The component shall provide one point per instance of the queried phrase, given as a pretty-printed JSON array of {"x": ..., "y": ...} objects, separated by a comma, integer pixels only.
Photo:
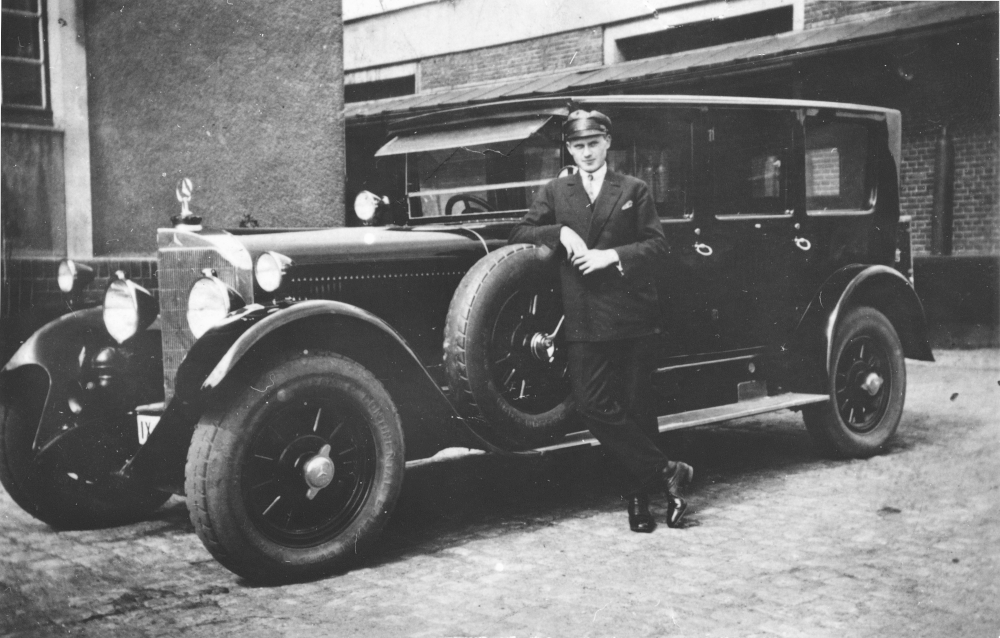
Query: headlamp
[
  {"x": 270, "y": 270},
  {"x": 209, "y": 303},
  {"x": 128, "y": 308},
  {"x": 72, "y": 277},
  {"x": 367, "y": 204}
]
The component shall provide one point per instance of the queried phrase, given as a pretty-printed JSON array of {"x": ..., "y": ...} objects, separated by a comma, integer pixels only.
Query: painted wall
[
  {"x": 244, "y": 97},
  {"x": 406, "y": 34}
]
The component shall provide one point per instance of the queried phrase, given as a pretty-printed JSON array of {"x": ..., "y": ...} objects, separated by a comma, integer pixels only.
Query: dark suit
[
  {"x": 610, "y": 313},
  {"x": 605, "y": 305}
]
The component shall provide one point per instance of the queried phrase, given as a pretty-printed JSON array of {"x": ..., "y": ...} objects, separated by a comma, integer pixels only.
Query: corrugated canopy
[
  {"x": 490, "y": 134},
  {"x": 752, "y": 54}
]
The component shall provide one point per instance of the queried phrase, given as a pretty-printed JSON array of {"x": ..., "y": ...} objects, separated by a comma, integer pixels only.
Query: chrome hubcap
[
  {"x": 543, "y": 347},
  {"x": 873, "y": 383},
  {"x": 318, "y": 472}
]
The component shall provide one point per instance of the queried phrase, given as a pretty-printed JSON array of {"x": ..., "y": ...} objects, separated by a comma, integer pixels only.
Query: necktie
[{"x": 590, "y": 187}]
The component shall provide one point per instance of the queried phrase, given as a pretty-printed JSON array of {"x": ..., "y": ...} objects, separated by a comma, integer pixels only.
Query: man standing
[{"x": 613, "y": 242}]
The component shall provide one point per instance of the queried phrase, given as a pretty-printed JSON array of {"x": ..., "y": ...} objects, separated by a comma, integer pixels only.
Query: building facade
[{"x": 106, "y": 106}]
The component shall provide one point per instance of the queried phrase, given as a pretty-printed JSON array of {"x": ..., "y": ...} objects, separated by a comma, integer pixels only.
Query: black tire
[
  {"x": 867, "y": 386},
  {"x": 499, "y": 375},
  {"x": 246, "y": 470},
  {"x": 72, "y": 485}
]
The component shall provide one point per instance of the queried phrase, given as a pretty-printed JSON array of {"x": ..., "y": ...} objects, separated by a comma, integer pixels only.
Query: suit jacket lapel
[{"x": 611, "y": 191}]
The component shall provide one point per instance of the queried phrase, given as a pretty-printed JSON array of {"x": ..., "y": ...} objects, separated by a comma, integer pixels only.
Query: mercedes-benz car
[{"x": 281, "y": 381}]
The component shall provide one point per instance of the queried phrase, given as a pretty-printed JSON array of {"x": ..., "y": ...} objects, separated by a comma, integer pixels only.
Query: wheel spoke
[{"x": 273, "y": 503}]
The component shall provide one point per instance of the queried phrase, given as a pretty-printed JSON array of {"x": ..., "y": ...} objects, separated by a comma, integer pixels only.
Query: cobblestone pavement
[{"x": 779, "y": 543}]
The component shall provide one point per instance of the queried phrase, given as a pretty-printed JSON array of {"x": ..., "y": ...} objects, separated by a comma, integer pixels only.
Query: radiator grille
[{"x": 179, "y": 268}]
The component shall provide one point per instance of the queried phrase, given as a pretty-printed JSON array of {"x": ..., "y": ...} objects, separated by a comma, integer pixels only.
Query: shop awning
[
  {"x": 490, "y": 134},
  {"x": 749, "y": 55}
]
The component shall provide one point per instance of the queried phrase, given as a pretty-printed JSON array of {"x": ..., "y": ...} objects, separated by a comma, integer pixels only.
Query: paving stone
[{"x": 779, "y": 543}]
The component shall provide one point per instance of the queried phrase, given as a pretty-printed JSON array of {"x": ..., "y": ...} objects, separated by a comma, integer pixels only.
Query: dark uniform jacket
[{"x": 607, "y": 304}]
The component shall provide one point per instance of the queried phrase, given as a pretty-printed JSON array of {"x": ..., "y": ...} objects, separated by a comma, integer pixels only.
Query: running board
[{"x": 705, "y": 416}]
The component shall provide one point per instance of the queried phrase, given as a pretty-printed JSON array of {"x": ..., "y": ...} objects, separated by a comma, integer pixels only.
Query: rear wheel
[
  {"x": 867, "y": 386},
  {"x": 301, "y": 471}
]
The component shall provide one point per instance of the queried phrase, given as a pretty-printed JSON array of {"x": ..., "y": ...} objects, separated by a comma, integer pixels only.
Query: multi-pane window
[
  {"x": 25, "y": 81},
  {"x": 837, "y": 165}
]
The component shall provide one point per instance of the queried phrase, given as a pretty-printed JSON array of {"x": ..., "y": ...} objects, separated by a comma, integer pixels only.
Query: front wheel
[
  {"x": 71, "y": 484},
  {"x": 299, "y": 473},
  {"x": 867, "y": 386}
]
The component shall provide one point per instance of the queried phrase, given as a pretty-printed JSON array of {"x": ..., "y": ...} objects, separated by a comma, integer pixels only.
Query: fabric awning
[{"x": 490, "y": 134}]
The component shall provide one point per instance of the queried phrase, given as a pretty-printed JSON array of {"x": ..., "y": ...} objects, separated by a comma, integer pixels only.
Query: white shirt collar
[{"x": 598, "y": 174}]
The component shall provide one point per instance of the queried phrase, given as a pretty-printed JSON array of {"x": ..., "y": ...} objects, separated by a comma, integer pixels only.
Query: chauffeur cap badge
[
  {"x": 186, "y": 219},
  {"x": 582, "y": 123}
]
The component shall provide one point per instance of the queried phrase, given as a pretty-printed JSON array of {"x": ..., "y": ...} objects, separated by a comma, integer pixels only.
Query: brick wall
[
  {"x": 976, "y": 216},
  {"x": 826, "y": 12},
  {"x": 551, "y": 53}
]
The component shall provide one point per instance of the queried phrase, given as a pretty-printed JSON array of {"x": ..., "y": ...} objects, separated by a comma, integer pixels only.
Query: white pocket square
[{"x": 627, "y": 205}]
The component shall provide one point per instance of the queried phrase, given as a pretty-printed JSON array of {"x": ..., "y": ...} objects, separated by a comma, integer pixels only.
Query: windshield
[{"x": 498, "y": 177}]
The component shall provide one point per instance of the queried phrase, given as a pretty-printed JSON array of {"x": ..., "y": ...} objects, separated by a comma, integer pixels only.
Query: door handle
[
  {"x": 703, "y": 249},
  {"x": 803, "y": 243}
]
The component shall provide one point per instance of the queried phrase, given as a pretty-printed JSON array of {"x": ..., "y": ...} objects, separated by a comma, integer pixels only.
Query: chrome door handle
[
  {"x": 703, "y": 249},
  {"x": 803, "y": 243}
]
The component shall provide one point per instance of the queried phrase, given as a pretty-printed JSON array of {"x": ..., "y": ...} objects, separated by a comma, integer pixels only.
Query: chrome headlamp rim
[
  {"x": 128, "y": 308},
  {"x": 270, "y": 270},
  {"x": 201, "y": 318}
]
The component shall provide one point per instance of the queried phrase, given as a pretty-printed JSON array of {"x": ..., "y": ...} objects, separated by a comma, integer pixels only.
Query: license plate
[{"x": 146, "y": 424}]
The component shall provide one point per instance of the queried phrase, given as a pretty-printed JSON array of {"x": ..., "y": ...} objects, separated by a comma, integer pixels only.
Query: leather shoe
[
  {"x": 639, "y": 518},
  {"x": 676, "y": 508},
  {"x": 675, "y": 476}
]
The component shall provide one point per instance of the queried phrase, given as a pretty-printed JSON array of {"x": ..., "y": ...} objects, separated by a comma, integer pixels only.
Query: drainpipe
[{"x": 944, "y": 194}]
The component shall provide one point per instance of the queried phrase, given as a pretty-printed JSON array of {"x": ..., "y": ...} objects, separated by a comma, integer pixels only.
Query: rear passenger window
[
  {"x": 837, "y": 166},
  {"x": 750, "y": 161},
  {"x": 655, "y": 145}
]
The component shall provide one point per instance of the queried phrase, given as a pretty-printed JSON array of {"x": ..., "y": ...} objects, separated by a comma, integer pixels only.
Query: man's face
[{"x": 589, "y": 153}]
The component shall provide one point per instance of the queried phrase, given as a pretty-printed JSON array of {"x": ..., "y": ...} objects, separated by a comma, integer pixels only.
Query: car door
[
  {"x": 747, "y": 237},
  {"x": 664, "y": 146}
]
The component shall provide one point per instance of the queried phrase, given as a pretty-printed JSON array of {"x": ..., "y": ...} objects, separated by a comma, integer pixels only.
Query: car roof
[{"x": 560, "y": 105}]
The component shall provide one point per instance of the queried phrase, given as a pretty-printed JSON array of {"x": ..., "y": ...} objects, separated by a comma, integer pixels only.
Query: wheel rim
[
  {"x": 863, "y": 384},
  {"x": 529, "y": 367},
  {"x": 309, "y": 470}
]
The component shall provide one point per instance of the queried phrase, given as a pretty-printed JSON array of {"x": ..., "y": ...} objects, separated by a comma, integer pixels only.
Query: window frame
[
  {"x": 790, "y": 161},
  {"x": 28, "y": 113},
  {"x": 697, "y": 151},
  {"x": 871, "y": 171}
]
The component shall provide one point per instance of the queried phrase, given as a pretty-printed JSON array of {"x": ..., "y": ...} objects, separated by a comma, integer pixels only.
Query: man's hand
[
  {"x": 573, "y": 243},
  {"x": 594, "y": 260}
]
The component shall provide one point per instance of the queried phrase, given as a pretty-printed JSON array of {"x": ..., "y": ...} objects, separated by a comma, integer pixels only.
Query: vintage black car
[{"x": 282, "y": 380}]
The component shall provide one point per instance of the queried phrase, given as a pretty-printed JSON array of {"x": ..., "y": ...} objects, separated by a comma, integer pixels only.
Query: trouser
[{"x": 613, "y": 393}]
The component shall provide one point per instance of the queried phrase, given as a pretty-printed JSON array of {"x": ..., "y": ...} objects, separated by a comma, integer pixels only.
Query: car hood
[{"x": 342, "y": 245}]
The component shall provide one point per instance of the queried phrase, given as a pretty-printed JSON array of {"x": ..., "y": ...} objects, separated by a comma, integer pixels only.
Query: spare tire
[{"x": 503, "y": 348}]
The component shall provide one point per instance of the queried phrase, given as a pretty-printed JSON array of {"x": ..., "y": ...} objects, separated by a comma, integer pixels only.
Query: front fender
[
  {"x": 93, "y": 381},
  {"x": 430, "y": 421},
  {"x": 228, "y": 355}
]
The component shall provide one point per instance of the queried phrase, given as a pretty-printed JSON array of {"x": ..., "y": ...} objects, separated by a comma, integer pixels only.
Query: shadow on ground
[{"x": 446, "y": 504}]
